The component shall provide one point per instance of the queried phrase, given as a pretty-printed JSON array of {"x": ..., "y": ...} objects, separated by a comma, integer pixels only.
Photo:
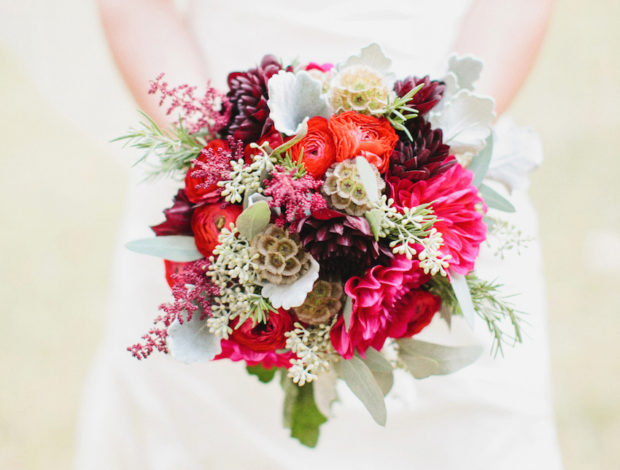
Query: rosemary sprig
[
  {"x": 173, "y": 148},
  {"x": 398, "y": 113}
]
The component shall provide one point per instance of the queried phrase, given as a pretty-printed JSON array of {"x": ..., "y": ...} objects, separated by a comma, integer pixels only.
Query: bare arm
[
  {"x": 148, "y": 37},
  {"x": 507, "y": 35}
]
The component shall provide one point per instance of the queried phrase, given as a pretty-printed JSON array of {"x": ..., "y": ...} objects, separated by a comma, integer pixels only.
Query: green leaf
[
  {"x": 179, "y": 248},
  {"x": 495, "y": 200},
  {"x": 480, "y": 163},
  {"x": 301, "y": 414},
  {"x": 368, "y": 177},
  {"x": 381, "y": 369},
  {"x": 425, "y": 359},
  {"x": 264, "y": 375},
  {"x": 363, "y": 384},
  {"x": 303, "y": 130},
  {"x": 374, "y": 218},
  {"x": 254, "y": 219},
  {"x": 461, "y": 291}
]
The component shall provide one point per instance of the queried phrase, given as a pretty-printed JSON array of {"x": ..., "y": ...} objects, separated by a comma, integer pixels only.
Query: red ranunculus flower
[
  {"x": 207, "y": 222},
  {"x": 361, "y": 135},
  {"x": 258, "y": 344},
  {"x": 211, "y": 193},
  {"x": 319, "y": 150},
  {"x": 173, "y": 268}
]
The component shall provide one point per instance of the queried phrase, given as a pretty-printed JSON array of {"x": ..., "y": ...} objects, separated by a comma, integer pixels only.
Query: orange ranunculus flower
[
  {"x": 362, "y": 135},
  {"x": 319, "y": 150}
]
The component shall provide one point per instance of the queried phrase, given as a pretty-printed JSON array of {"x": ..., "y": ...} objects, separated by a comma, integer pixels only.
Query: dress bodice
[{"x": 416, "y": 34}]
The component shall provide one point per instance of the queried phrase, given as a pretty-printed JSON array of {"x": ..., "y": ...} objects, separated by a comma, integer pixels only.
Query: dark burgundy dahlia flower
[
  {"x": 425, "y": 99},
  {"x": 249, "y": 118},
  {"x": 342, "y": 244},
  {"x": 421, "y": 158}
]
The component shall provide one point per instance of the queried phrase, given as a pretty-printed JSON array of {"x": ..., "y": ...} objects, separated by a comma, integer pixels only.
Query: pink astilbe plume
[
  {"x": 210, "y": 112},
  {"x": 192, "y": 292},
  {"x": 213, "y": 165},
  {"x": 297, "y": 197}
]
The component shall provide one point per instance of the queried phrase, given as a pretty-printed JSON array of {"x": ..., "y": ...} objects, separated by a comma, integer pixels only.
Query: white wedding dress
[{"x": 161, "y": 414}]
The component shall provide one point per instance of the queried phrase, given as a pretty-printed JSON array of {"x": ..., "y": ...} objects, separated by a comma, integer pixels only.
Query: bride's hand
[{"x": 507, "y": 36}]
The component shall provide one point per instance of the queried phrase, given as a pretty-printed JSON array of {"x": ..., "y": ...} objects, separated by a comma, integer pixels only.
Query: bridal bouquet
[{"x": 327, "y": 215}]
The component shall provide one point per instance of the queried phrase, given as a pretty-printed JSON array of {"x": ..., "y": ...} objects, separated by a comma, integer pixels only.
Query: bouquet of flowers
[{"x": 328, "y": 213}]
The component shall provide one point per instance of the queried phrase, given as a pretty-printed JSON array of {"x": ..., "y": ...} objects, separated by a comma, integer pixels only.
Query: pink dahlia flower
[
  {"x": 459, "y": 210},
  {"x": 387, "y": 302}
]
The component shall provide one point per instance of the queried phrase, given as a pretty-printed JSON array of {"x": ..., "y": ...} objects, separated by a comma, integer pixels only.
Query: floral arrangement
[{"x": 328, "y": 214}]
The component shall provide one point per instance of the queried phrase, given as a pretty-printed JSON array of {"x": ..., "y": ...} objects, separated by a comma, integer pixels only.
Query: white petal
[
  {"x": 292, "y": 295},
  {"x": 293, "y": 98},
  {"x": 191, "y": 341}
]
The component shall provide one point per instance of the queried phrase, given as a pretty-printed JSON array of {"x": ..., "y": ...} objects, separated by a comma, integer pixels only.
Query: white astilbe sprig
[
  {"x": 232, "y": 271},
  {"x": 246, "y": 178},
  {"x": 408, "y": 227},
  {"x": 313, "y": 348}
]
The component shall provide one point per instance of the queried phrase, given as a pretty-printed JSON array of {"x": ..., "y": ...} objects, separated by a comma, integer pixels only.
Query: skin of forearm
[
  {"x": 146, "y": 38},
  {"x": 506, "y": 35}
]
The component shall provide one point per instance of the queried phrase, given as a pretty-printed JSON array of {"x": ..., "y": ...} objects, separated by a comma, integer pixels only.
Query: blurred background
[{"x": 62, "y": 190}]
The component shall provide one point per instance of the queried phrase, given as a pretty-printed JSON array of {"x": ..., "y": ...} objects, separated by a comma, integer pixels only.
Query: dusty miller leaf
[
  {"x": 425, "y": 359},
  {"x": 179, "y": 248},
  {"x": 191, "y": 341},
  {"x": 254, "y": 219},
  {"x": 325, "y": 392},
  {"x": 362, "y": 383}
]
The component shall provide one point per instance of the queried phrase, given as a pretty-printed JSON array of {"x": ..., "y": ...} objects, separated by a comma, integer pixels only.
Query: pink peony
[
  {"x": 387, "y": 302},
  {"x": 458, "y": 207}
]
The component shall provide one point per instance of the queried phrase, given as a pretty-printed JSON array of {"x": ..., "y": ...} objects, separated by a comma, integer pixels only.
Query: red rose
[
  {"x": 361, "y": 135},
  {"x": 207, "y": 222},
  {"x": 319, "y": 150},
  {"x": 210, "y": 194}
]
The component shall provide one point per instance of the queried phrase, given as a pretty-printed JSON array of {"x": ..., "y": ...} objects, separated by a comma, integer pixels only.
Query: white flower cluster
[
  {"x": 313, "y": 347},
  {"x": 231, "y": 270},
  {"x": 246, "y": 179},
  {"x": 411, "y": 226},
  {"x": 505, "y": 236}
]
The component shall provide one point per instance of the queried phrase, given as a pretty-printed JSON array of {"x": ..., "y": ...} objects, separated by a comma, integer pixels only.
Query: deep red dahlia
[
  {"x": 425, "y": 99},
  {"x": 178, "y": 217},
  {"x": 342, "y": 244},
  {"x": 458, "y": 207},
  {"x": 249, "y": 118},
  {"x": 422, "y": 158}
]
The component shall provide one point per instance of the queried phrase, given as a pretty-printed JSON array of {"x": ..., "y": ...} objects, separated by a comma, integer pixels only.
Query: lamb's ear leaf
[
  {"x": 362, "y": 383},
  {"x": 254, "y": 219},
  {"x": 494, "y": 200},
  {"x": 381, "y": 369},
  {"x": 425, "y": 359},
  {"x": 178, "y": 248}
]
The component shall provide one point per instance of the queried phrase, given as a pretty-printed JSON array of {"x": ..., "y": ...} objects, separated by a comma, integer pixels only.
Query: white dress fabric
[{"x": 160, "y": 414}]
